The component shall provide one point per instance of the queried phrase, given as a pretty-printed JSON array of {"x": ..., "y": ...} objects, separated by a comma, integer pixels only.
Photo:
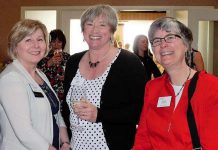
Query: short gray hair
[
  {"x": 170, "y": 24},
  {"x": 22, "y": 29},
  {"x": 108, "y": 12}
]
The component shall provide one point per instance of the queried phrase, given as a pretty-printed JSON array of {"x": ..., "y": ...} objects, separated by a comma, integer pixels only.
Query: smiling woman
[
  {"x": 26, "y": 94},
  {"x": 167, "y": 98},
  {"x": 109, "y": 111}
]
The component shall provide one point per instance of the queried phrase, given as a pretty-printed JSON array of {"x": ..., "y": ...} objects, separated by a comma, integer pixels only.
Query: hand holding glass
[
  {"x": 58, "y": 56},
  {"x": 75, "y": 105}
]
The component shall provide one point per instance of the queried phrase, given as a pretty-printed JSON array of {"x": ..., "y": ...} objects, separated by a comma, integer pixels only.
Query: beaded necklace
[{"x": 94, "y": 64}]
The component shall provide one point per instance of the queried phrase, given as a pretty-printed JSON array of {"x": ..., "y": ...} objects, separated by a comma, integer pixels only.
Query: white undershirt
[{"x": 176, "y": 90}]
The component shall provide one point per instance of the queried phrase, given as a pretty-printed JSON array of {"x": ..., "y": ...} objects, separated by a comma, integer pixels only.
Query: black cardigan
[{"x": 121, "y": 98}]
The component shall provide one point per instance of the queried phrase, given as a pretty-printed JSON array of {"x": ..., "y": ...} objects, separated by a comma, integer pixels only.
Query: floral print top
[{"x": 55, "y": 73}]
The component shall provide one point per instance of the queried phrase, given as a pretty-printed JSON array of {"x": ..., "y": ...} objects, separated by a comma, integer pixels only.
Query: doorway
[{"x": 192, "y": 18}]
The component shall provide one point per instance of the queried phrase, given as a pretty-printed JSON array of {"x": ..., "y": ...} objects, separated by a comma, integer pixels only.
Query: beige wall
[{"x": 10, "y": 10}]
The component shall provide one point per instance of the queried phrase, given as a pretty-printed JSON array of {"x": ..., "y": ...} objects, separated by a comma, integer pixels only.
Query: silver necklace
[{"x": 180, "y": 90}]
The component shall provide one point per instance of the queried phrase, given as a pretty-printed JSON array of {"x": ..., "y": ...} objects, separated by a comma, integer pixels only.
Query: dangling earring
[{"x": 111, "y": 39}]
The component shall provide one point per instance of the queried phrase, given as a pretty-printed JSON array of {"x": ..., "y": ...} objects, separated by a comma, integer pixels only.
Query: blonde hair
[{"x": 22, "y": 29}]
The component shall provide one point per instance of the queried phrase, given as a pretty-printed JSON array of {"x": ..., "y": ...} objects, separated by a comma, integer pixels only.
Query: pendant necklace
[
  {"x": 94, "y": 64},
  {"x": 180, "y": 90}
]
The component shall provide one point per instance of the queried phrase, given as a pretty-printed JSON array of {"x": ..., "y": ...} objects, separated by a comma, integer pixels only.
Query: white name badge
[
  {"x": 78, "y": 81},
  {"x": 164, "y": 101}
]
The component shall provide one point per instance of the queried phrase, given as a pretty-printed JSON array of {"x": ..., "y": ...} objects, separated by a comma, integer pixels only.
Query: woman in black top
[
  {"x": 104, "y": 87},
  {"x": 140, "y": 48}
]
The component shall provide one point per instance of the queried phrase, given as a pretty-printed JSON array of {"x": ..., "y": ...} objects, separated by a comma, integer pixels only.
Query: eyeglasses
[{"x": 168, "y": 39}]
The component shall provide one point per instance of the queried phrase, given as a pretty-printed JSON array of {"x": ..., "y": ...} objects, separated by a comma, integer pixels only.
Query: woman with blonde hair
[{"x": 30, "y": 117}]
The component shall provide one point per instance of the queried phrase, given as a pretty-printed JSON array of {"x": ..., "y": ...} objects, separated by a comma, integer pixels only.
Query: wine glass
[
  {"x": 83, "y": 96},
  {"x": 58, "y": 55}
]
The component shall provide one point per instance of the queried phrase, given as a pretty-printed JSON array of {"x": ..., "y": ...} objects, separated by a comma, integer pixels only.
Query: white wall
[{"x": 48, "y": 17}]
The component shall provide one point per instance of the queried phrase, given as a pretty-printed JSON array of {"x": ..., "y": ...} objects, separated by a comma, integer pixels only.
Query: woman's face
[
  {"x": 170, "y": 53},
  {"x": 56, "y": 44},
  {"x": 143, "y": 44},
  {"x": 31, "y": 49},
  {"x": 97, "y": 33}
]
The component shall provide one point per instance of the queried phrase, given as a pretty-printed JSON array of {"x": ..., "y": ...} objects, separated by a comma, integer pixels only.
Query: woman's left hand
[{"x": 86, "y": 111}]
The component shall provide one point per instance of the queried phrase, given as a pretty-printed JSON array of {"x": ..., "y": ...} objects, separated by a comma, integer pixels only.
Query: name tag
[
  {"x": 164, "y": 101},
  {"x": 38, "y": 94},
  {"x": 34, "y": 90}
]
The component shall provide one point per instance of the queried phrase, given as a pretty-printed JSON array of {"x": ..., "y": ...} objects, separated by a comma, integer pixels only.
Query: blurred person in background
[
  {"x": 193, "y": 57},
  {"x": 120, "y": 44},
  {"x": 53, "y": 65},
  {"x": 140, "y": 48}
]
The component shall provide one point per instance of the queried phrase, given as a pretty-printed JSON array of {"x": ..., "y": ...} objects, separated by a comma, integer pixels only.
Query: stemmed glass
[
  {"x": 58, "y": 55},
  {"x": 78, "y": 126}
]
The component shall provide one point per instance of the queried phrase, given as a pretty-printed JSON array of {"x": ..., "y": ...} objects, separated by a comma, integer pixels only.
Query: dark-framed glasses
[{"x": 169, "y": 38}]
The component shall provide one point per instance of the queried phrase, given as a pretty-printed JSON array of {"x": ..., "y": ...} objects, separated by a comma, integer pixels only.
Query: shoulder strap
[
  {"x": 192, "y": 86},
  {"x": 190, "y": 115}
]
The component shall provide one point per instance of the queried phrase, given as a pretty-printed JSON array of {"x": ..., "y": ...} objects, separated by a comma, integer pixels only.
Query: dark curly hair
[{"x": 57, "y": 34}]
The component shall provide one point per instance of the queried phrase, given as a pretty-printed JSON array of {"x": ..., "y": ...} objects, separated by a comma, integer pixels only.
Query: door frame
[{"x": 194, "y": 15}]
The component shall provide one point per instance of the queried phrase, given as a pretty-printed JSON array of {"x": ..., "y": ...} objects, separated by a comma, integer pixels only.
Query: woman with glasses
[{"x": 164, "y": 122}]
